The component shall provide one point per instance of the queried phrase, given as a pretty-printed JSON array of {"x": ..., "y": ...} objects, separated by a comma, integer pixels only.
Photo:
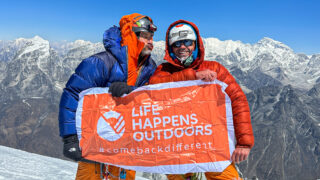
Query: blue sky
[{"x": 296, "y": 23}]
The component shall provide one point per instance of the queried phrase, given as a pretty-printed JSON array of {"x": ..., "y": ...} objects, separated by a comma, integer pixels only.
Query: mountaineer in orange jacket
[
  {"x": 124, "y": 65},
  {"x": 185, "y": 61}
]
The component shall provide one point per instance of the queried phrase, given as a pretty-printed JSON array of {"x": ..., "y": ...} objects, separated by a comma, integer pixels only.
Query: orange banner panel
[{"x": 171, "y": 127}]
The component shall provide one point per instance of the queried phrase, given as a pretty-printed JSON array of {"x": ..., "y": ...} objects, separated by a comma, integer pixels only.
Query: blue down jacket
[{"x": 99, "y": 70}]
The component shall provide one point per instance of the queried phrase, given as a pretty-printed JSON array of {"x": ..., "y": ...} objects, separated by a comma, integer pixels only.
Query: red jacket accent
[{"x": 173, "y": 70}]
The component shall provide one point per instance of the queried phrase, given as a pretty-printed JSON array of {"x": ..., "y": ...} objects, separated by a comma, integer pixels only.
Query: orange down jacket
[{"x": 173, "y": 70}]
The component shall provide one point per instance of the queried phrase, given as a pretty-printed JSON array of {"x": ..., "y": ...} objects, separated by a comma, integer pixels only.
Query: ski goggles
[
  {"x": 186, "y": 42},
  {"x": 144, "y": 23},
  {"x": 151, "y": 27}
]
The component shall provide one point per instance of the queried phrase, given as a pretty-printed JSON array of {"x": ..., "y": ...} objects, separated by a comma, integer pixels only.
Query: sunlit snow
[{"x": 20, "y": 165}]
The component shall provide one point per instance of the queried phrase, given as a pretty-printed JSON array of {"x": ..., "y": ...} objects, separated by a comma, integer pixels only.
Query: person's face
[
  {"x": 147, "y": 39},
  {"x": 183, "y": 51}
]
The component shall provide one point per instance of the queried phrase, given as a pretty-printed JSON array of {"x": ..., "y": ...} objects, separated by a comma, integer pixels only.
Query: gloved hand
[
  {"x": 117, "y": 89},
  {"x": 71, "y": 148}
]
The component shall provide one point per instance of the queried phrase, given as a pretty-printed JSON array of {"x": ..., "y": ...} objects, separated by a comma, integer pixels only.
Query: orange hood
[
  {"x": 176, "y": 62},
  {"x": 134, "y": 46}
]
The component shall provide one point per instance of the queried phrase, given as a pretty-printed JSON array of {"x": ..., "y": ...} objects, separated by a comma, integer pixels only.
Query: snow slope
[
  {"x": 20, "y": 165},
  {"x": 17, "y": 164}
]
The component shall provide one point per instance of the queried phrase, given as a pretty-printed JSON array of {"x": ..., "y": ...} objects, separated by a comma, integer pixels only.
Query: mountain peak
[
  {"x": 214, "y": 45},
  {"x": 38, "y": 38},
  {"x": 267, "y": 39},
  {"x": 268, "y": 42},
  {"x": 80, "y": 41},
  {"x": 32, "y": 44}
]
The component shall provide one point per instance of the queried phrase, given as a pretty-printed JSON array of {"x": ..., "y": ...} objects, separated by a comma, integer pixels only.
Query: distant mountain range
[{"x": 282, "y": 87}]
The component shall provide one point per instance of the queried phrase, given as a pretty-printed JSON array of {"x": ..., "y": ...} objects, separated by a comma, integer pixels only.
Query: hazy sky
[{"x": 296, "y": 23}]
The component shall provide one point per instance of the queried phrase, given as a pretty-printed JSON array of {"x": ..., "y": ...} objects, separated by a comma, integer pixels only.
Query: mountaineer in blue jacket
[{"x": 125, "y": 65}]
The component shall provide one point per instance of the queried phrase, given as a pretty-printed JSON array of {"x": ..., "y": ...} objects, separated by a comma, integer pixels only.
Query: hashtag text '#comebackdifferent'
[{"x": 159, "y": 149}]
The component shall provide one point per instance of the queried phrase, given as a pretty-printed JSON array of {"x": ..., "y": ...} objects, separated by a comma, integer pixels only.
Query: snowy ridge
[
  {"x": 31, "y": 67},
  {"x": 36, "y": 43},
  {"x": 64, "y": 47},
  {"x": 8, "y": 49},
  {"x": 20, "y": 165},
  {"x": 270, "y": 56},
  {"x": 17, "y": 164},
  {"x": 46, "y": 66},
  {"x": 215, "y": 46}
]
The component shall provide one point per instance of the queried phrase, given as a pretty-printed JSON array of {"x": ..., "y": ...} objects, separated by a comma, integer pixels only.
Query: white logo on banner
[{"x": 106, "y": 131}]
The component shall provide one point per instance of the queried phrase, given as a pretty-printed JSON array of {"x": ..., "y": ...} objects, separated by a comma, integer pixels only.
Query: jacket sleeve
[
  {"x": 91, "y": 72},
  {"x": 162, "y": 76},
  {"x": 240, "y": 108}
]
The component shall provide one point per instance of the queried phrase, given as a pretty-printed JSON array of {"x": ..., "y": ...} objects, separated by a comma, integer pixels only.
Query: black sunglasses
[{"x": 186, "y": 42}]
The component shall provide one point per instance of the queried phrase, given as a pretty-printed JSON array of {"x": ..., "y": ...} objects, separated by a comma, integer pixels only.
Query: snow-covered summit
[
  {"x": 63, "y": 47},
  {"x": 271, "y": 43},
  {"x": 272, "y": 57},
  {"x": 36, "y": 43},
  {"x": 216, "y": 46}
]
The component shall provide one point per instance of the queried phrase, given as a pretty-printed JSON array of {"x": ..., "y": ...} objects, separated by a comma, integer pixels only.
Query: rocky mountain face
[
  {"x": 282, "y": 87},
  {"x": 287, "y": 133},
  {"x": 31, "y": 82}
]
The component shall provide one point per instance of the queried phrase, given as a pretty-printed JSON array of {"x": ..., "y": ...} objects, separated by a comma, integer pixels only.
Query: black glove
[
  {"x": 71, "y": 148},
  {"x": 117, "y": 89}
]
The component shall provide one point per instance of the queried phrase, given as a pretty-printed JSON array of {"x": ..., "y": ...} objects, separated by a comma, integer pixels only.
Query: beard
[
  {"x": 182, "y": 59},
  {"x": 146, "y": 51},
  {"x": 183, "y": 55}
]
